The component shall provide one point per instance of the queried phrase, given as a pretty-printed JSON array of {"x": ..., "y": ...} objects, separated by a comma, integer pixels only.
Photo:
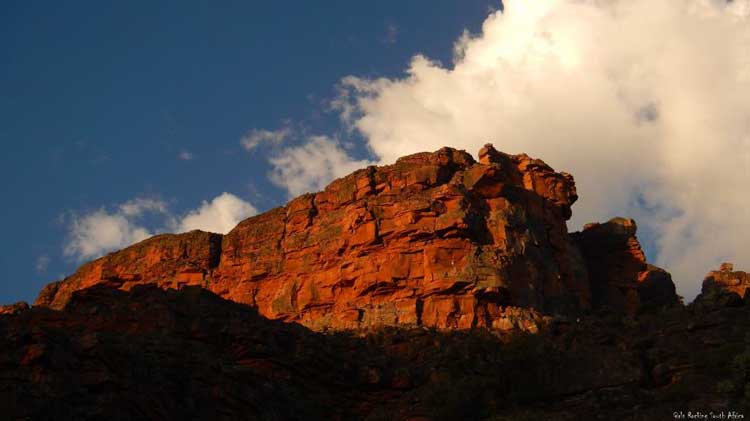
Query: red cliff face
[
  {"x": 435, "y": 239},
  {"x": 15, "y": 308},
  {"x": 169, "y": 261},
  {"x": 619, "y": 275},
  {"x": 725, "y": 286}
]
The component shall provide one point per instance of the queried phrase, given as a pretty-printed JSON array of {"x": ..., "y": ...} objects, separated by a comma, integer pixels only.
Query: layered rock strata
[
  {"x": 436, "y": 239},
  {"x": 725, "y": 286}
]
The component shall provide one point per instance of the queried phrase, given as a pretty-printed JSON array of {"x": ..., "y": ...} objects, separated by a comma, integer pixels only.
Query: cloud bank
[
  {"x": 646, "y": 103},
  {"x": 103, "y": 230}
]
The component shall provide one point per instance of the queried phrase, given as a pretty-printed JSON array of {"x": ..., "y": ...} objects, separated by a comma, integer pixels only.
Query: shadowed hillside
[{"x": 188, "y": 354}]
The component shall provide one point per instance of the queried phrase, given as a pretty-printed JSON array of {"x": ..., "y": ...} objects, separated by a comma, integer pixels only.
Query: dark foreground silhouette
[{"x": 189, "y": 354}]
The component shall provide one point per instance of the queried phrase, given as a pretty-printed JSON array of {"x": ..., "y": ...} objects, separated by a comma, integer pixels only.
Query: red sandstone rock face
[
  {"x": 169, "y": 261},
  {"x": 435, "y": 239},
  {"x": 16, "y": 308},
  {"x": 728, "y": 280},
  {"x": 620, "y": 277}
]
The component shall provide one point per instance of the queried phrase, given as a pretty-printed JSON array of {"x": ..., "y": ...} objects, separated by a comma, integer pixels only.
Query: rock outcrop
[
  {"x": 168, "y": 261},
  {"x": 725, "y": 286},
  {"x": 436, "y": 239},
  {"x": 15, "y": 308},
  {"x": 619, "y": 275}
]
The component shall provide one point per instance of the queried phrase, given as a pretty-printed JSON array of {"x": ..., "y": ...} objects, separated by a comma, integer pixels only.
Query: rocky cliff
[
  {"x": 725, "y": 287},
  {"x": 436, "y": 239},
  {"x": 477, "y": 304},
  {"x": 727, "y": 279}
]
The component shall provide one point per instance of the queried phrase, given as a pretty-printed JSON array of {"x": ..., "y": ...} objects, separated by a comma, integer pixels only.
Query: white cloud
[
  {"x": 139, "y": 206},
  {"x": 255, "y": 137},
  {"x": 42, "y": 263},
  {"x": 95, "y": 233},
  {"x": 185, "y": 156},
  {"x": 645, "y": 102},
  {"x": 98, "y": 232},
  {"x": 220, "y": 215},
  {"x": 310, "y": 167}
]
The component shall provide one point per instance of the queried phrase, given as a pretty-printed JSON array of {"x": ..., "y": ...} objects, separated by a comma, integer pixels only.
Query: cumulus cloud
[
  {"x": 219, "y": 215},
  {"x": 307, "y": 167},
  {"x": 95, "y": 233},
  {"x": 255, "y": 137},
  {"x": 103, "y": 230},
  {"x": 310, "y": 167},
  {"x": 644, "y": 102}
]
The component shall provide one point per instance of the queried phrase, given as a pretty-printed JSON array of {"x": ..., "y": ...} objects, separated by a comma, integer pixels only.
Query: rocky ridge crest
[{"x": 436, "y": 239}]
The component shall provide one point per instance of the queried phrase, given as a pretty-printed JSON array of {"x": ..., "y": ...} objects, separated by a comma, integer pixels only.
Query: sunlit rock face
[
  {"x": 169, "y": 261},
  {"x": 725, "y": 287},
  {"x": 728, "y": 279},
  {"x": 436, "y": 239},
  {"x": 15, "y": 308}
]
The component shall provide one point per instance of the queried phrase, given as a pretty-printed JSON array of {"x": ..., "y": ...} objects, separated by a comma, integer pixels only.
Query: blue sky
[
  {"x": 127, "y": 119},
  {"x": 99, "y": 99}
]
